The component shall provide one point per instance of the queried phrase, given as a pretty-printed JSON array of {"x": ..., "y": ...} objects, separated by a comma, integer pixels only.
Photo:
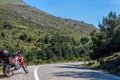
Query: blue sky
[{"x": 89, "y": 11}]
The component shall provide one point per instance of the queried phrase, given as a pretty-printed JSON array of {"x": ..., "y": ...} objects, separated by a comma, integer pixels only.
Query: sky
[{"x": 89, "y": 11}]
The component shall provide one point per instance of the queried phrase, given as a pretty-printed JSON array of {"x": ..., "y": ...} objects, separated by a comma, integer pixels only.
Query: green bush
[{"x": 38, "y": 61}]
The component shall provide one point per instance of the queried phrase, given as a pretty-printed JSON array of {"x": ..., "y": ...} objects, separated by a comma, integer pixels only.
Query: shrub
[{"x": 23, "y": 37}]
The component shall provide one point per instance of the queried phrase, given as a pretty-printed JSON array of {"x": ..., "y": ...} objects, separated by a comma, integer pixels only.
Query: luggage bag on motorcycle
[{"x": 3, "y": 54}]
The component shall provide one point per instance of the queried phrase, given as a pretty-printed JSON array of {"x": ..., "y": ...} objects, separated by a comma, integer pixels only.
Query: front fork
[{"x": 23, "y": 62}]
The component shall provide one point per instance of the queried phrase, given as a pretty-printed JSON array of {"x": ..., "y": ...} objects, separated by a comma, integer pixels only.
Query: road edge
[{"x": 109, "y": 75}]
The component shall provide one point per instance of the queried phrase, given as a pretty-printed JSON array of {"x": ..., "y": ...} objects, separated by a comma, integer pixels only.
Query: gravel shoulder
[{"x": 20, "y": 75}]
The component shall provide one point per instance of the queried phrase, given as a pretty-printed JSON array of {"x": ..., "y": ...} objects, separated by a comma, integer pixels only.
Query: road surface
[{"x": 63, "y": 71}]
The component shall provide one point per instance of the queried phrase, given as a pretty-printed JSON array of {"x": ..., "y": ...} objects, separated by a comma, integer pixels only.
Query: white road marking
[{"x": 35, "y": 73}]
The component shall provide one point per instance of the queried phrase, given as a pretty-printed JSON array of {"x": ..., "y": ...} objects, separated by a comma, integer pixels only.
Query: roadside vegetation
[
  {"x": 106, "y": 44},
  {"x": 42, "y": 45}
]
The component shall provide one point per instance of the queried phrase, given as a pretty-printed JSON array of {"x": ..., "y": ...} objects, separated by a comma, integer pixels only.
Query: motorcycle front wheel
[{"x": 7, "y": 70}]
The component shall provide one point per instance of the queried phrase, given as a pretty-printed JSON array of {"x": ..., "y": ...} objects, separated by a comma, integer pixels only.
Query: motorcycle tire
[
  {"x": 7, "y": 70},
  {"x": 24, "y": 66}
]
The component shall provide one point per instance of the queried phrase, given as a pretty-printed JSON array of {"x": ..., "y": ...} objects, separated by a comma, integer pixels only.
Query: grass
[
  {"x": 1, "y": 68},
  {"x": 108, "y": 64},
  {"x": 91, "y": 64}
]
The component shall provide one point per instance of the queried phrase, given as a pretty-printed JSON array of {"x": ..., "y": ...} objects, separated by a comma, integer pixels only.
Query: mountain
[{"x": 40, "y": 35}]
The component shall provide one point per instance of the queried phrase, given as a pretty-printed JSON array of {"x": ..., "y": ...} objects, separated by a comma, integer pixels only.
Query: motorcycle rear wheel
[{"x": 7, "y": 70}]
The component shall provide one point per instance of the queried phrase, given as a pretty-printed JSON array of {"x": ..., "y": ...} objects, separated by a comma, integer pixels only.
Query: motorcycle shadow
[
  {"x": 2, "y": 76},
  {"x": 17, "y": 73}
]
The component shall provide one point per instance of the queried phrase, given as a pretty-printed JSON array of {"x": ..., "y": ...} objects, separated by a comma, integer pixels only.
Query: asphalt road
[{"x": 61, "y": 71}]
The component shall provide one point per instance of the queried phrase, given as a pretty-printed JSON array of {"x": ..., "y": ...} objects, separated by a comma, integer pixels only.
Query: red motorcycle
[{"x": 17, "y": 62}]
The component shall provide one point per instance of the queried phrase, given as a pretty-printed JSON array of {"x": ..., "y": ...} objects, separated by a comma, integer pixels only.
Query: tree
[
  {"x": 106, "y": 41},
  {"x": 84, "y": 40},
  {"x": 99, "y": 45},
  {"x": 109, "y": 23},
  {"x": 115, "y": 42}
]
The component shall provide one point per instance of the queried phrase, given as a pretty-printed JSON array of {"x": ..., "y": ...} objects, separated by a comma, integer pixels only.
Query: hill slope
[
  {"x": 42, "y": 37},
  {"x": 12, "y": 12},
  {"x": 19, "y": 2}
]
